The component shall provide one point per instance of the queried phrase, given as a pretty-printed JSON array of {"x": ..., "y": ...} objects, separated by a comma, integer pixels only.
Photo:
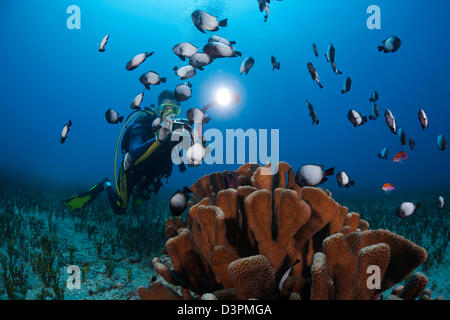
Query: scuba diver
[{"x": 147, "y": 146}]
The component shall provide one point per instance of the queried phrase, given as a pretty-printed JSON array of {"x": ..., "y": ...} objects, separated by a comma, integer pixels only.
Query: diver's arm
[{"x": 145, "y": 150}]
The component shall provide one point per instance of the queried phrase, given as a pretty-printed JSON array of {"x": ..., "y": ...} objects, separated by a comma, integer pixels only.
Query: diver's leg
[
  {"x": 118, "y": 206},
  {"x": 119, "y": 200}
]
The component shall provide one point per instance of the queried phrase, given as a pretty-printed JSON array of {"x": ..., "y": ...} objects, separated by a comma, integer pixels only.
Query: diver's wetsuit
[
  {"x": 147, "y": 171},
  {"x": 151, "y": 162}
]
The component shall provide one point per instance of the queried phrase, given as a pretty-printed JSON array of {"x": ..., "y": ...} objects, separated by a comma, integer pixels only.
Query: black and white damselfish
[
  {"x": 179, "y": 201},
  {"x": 65, "y": 132}
]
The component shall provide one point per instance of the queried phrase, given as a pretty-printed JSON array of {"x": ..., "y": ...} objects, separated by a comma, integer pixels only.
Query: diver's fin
[
  {"x": 80, "y": 200},
  {"x": 77, "y": 202}
]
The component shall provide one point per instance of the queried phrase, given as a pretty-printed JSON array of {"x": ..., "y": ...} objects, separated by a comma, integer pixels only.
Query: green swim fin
[
  {"x": 82, "y": 199},
  {"x": 77, "y": 202}
]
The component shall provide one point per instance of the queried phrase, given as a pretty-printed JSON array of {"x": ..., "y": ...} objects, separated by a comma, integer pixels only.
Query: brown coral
[
  {"x": 246, "y": 228},
  {"x": 413, "y": 289}
]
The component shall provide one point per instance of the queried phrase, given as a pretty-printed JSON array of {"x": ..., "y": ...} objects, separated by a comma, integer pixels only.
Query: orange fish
[
  {"x": 387, "y": 187},
  {"x": 400, "y": 157}
]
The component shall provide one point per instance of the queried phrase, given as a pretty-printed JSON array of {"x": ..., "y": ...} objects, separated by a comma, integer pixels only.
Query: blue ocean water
[{"x": 51, "y": 74}]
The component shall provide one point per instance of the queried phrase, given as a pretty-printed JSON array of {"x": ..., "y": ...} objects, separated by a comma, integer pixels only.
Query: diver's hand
[{"x": 165, "y": 130}]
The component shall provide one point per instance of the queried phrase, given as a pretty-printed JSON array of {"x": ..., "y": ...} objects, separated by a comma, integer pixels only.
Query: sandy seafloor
[{"x": 135, "y": 271}]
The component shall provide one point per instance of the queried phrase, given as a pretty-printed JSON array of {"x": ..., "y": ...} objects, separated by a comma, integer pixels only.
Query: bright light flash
[{"x": 223, "y": 97}]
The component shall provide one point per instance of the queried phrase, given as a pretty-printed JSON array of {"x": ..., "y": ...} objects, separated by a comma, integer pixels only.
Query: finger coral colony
[{"x": 245, "y": 230}]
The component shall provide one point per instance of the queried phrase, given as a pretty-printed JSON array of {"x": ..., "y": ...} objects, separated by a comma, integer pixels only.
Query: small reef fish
[
  {"x": 347, "y": 85},
  {"x": 344, "y": 180},
  {"x": 185, "y": 72},
  {"x": 412, "y": 144},
  {"x": 384, "y": 153},
  {"x": 197, "y": 115},
  {"x": 101, "y": 47},
  {"x": 402, "y": 135},
  {"x": 204, "y": 21},
  {"x": 316, "y": 51},
  {"x": 184, "y": 50},
  {"x": 330, "y": 56},
  {"x": 178, "y": 202},
  {"x": 391, "y": 44},
  {"x": 195, "y": 154},
  {"x": 375, "y": 112},
  {"x": 275, "y": 64},
  {"x": 400, "y": 157},
  {"x": 246, "y": 65},
  {"x": 113, "y": 117},
  {"x": 65, "y": 132},
  {"x": 423, "y": 119},
  {"x": 387, "y": 187},
  {"x": 263, "y": 6},
  {"x": 183, "y": 91},
  {"x": 151, "y": 78},
  {"x": 407, "y": 209},
  {"x": 221, "y": 50},
  {"x": 127, "y": 162},
  {"x": 137, "y": 60},
  {"x": 312, "y": 113},
  {"x": 356, "y": 119},
  {"x": 390, "y": 121},
  {"x": 221, "y": 40},
  {"x": 374, "y": 97},
  {"x": 136, "y": 103},
  {"x": 440, "y": 202},
  {"x": 286, "y": 275},
  {"x": 314, "y": 75},
  {"x": 312, "y": 175},
  {"x": 441, "y": 142},
  {"x": 331, "y": 53},
  {"x": 200, "y": 59}
]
